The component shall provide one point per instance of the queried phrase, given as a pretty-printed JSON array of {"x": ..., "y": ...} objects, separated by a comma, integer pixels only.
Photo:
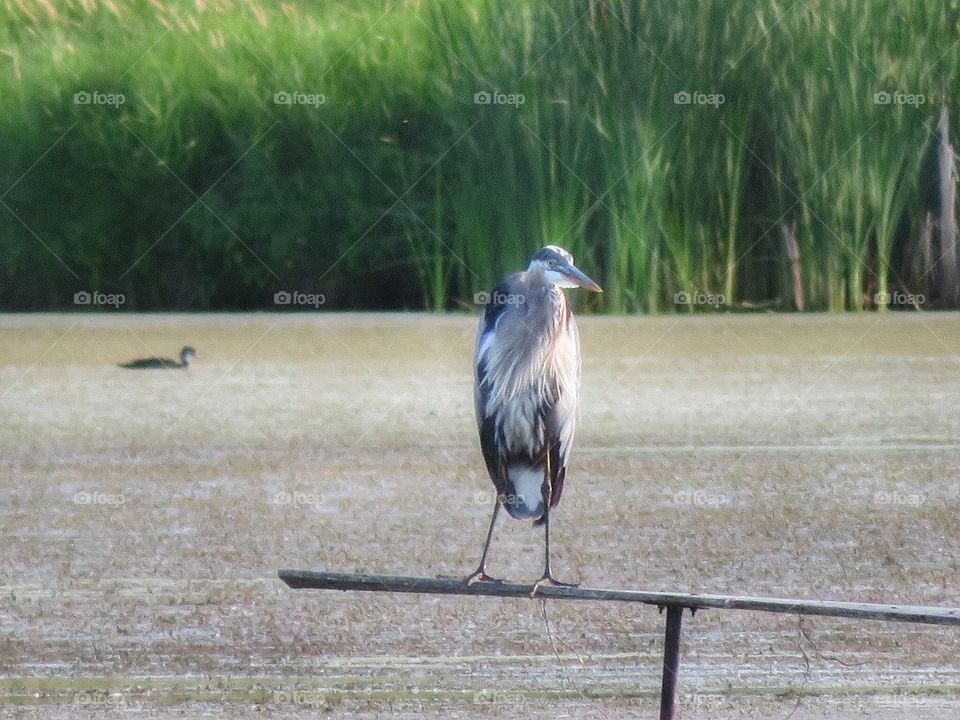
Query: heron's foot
[
  {"x": 550, "y": 581},
  {"x": 480, "y": 576}
]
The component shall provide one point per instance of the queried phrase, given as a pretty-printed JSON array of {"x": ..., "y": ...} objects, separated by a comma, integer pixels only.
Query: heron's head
[
  {"x": 557, "y": 266},
  {"x": 187, "y": 354}
]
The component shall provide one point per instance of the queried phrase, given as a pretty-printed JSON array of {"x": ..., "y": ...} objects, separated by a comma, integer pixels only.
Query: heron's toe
[
  {"x": 480, "y": 576},
  {"x": 550, "y": 581}
]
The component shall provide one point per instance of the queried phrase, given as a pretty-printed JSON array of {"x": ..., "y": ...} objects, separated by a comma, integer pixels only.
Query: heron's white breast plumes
[
  {"x": 532, "y": 362},
  {"x": 520, "y": 425}
]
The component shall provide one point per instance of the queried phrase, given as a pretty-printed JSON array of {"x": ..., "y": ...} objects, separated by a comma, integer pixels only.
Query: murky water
[{"x": 144, "y": 516}]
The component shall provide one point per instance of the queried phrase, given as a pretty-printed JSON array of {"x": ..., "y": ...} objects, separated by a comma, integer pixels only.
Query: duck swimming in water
[{"x": 149, "y": 363}]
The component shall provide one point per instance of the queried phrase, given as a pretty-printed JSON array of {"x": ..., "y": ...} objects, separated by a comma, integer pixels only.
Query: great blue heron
[
  {"x": 156, "y": 362},
  {"x": 526, "y": 387}
]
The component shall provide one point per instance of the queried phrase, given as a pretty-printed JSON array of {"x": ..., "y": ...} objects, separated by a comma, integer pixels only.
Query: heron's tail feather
[{"x": 526, "y": 500}]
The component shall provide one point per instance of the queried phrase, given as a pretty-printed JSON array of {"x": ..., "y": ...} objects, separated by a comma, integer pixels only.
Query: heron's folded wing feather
[{"x": 487, "y": 421}]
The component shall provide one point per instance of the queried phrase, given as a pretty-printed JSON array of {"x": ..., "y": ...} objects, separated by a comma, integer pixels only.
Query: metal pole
[
  {"x": 671, "y": 662},
  {"x": 456, "y": 586}
]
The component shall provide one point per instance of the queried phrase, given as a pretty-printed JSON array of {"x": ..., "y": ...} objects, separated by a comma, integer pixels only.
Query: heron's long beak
[{"x": 575, "y": 276}]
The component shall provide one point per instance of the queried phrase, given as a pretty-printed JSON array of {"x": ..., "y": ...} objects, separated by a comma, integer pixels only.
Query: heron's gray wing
[
  {"x": 490, "y": 319},
  {"x": 486, "y": 337}
]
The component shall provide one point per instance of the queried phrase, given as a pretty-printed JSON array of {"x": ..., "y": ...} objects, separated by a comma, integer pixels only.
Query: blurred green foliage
[{"x": 664, "y": 143}]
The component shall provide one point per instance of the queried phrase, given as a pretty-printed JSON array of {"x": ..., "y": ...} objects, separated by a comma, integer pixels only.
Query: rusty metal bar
[{"x": 454, "y": 586}]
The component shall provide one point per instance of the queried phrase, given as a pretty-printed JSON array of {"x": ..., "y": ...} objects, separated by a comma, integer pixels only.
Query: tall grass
[
  {"x": 859, "y": 146},
  {"x": 400, "y": 191}
]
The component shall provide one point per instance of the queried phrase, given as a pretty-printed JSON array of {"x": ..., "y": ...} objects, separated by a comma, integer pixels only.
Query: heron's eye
[{"x": 551, "y": 264}]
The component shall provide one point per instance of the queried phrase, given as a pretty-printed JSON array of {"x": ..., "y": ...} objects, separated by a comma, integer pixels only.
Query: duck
[{"x": 186, "y": 354}]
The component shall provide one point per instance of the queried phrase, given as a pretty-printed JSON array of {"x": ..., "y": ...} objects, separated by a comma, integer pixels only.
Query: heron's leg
[
  {"x": 480, "y": 575},
  {"x": 547, "y": 578},
  {"x": 546, "y": 541}
]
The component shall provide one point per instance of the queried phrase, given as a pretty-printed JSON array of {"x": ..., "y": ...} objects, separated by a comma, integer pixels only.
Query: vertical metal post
[{"x": 671, "y": 662}]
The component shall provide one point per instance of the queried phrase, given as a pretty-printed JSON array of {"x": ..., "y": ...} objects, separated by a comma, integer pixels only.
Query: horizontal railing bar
[{"x": 306, "y": 579}]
